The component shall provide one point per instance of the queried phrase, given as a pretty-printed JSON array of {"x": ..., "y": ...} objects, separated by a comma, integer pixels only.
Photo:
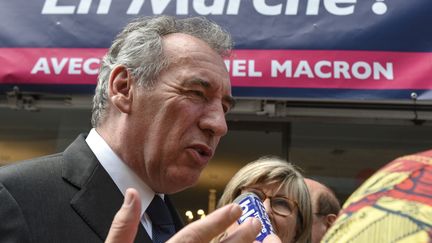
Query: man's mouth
[{"x": 204, "y": 151}]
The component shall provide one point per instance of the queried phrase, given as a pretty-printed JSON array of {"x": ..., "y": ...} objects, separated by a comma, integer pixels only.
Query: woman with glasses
[{"x": 284, "y": 193}]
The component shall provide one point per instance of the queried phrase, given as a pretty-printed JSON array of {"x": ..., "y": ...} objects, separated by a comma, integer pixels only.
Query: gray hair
[{"x": 139, "y": 48}]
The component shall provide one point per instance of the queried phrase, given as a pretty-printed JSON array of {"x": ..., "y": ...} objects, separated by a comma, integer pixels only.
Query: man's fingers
[
  {"x": 125, "y": 224},
  {"x": 272, "y": 239},
  {"x": 246, "y": 232},
  {"x": 209, "y": 227}
]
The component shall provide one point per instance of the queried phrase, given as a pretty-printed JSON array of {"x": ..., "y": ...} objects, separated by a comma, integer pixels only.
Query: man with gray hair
[{"x": 158, "y": 114}]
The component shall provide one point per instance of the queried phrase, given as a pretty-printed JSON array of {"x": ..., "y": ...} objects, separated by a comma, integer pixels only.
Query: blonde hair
[{"x": 269, "y": 170}]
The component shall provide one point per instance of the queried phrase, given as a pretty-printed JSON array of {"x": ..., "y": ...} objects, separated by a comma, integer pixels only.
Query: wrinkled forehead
[
  {"x": 183, "y": 49},
  {"x": 179, "y": 45}
]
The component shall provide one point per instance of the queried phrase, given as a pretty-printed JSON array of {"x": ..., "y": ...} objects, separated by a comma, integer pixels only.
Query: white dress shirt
[{"x": 123, "y": 176}]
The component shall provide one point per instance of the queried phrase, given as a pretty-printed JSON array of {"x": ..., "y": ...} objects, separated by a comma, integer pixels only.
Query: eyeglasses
[{"x": 280, "y": 205}]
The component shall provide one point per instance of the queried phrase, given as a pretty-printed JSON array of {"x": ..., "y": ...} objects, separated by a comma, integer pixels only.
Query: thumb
[
  {"x": 272, "y": 239},
  {"x": 204, "y": 230},
  {"x": 125, "y": 224}
]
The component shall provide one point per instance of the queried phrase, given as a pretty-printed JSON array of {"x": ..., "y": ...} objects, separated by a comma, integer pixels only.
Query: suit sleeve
[{"x": 13, "y": 227}]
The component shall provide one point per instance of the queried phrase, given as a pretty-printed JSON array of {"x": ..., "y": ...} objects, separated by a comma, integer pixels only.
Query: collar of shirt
[{"x": 123, "y": 176}]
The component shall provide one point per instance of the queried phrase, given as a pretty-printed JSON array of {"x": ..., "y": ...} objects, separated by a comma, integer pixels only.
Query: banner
[{"x": 314, "y": 49}]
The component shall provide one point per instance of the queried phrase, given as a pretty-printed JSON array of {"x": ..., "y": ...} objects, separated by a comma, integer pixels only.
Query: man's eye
[
  {"x": 198, "y": 93},
  {"x": 225, "y": 109}
]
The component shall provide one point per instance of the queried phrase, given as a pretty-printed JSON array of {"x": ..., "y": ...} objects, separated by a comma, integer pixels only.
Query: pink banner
[
  {"x": 50, "y": 65},
  {"x": 331, "y": 69},
  {"x": 248, "y": 68}
]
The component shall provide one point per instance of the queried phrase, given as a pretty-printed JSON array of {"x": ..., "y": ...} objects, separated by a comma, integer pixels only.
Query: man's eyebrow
[{"x": 197, "y": 81}]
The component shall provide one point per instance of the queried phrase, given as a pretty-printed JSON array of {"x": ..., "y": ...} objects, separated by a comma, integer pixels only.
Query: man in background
[{"x": 325, "y": 208}]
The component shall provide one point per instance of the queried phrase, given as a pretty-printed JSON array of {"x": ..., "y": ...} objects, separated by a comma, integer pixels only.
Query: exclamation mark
[{"x": 379, "y": 7}]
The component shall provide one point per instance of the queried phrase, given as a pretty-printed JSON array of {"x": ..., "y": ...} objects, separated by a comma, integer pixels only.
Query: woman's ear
[{"x": 120, "y": 88}]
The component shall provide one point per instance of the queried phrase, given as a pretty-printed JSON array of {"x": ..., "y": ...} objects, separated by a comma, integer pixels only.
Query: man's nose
[{"x": 214, "y": 120}]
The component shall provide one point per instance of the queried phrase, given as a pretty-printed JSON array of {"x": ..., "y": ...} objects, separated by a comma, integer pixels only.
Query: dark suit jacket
[{"x": 65, "y": 197}]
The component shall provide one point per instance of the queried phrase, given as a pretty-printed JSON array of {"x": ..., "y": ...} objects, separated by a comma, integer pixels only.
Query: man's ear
[
  {"x": 329, "y": 219},
  {"x": 120, "y": 91}
]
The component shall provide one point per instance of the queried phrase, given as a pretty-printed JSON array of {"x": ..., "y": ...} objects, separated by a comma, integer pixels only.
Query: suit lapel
[{"x": 98, "y": 198}]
